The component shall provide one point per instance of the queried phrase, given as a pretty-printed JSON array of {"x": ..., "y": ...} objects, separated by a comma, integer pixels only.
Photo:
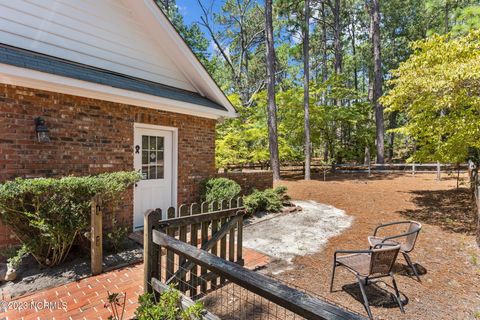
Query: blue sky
[{"x": 191, "y": 10}]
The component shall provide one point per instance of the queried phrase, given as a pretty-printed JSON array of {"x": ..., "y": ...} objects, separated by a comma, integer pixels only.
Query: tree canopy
[
  {"x": 351, "y": 52},
  {"x": 438, "y": 90}
]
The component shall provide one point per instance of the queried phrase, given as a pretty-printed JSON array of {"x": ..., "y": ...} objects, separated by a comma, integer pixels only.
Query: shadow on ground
[
  {"x": 379, "y": 294},
  {"x": 404, "y": 270},
  {"x": 452, "y": 209}
]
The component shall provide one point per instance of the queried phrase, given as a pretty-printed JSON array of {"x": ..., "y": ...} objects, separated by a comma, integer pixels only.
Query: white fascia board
[
  {"x": 161, "y": 28},
  {"x": 45, "y": 81}
]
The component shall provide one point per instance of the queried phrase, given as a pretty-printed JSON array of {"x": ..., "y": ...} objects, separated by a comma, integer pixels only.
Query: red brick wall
[
  {"x": 250, "y": 180},
  {"x": 90, "y": 136}
]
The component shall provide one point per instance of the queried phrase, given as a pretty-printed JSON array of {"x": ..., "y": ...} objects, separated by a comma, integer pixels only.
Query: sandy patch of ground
[{"x": 302, "y": 233}]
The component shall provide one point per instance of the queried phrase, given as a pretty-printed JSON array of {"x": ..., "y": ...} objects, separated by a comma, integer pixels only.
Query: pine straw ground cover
[{"x": 446, "y": 250}]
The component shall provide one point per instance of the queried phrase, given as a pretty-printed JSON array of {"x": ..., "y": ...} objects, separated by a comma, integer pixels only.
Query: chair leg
[
  {"x": 333, "y": 275},
  {"x": 397, "y": 293},
  {"x": 364, "y": 294},
  {"x": 409, "y": 262}
]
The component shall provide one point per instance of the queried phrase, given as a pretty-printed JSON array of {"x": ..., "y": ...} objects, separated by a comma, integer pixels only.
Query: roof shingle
[{"x": 61, "y": 67}]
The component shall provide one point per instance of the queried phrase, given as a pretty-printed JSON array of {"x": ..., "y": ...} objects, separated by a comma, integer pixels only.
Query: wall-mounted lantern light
[{"x": 42, "y": 130}]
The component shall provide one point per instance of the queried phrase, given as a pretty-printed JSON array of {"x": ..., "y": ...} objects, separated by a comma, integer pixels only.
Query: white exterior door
[{"x": 154, "y": 158}]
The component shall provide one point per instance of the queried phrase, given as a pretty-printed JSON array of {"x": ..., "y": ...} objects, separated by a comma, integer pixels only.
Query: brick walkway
[{"x": 85, "y": 299}]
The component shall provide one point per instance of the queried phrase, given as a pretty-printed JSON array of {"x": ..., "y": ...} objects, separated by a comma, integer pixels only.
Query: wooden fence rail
[
  {"x": 216, "y": 227},
  {"x": 298, "y": 302},
  {"x": 319, "y": 166}
]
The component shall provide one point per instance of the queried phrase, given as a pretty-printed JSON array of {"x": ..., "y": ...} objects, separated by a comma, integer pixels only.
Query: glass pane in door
[{"x": 152, "y": 157}]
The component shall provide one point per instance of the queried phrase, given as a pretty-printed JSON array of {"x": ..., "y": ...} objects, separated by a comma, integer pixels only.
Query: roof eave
[{"x": 14, "y": 75}]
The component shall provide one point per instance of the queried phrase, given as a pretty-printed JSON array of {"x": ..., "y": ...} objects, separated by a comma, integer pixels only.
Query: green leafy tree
[
  {"x": 245, "y": 139},
  {"x": 467, "y": 19},
  {"x": 437, "y": 89},
  {"x": 341, "y": 68}
]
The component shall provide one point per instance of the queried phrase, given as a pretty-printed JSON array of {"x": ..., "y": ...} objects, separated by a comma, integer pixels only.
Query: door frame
[{"x": 174, "y": 131}]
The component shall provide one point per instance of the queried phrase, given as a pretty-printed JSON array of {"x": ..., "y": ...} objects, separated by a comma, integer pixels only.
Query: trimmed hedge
[
  {"x": 269, "y": 200},
  {"x": 47, "y": 214},
  {"x": 218, "y": 189}
]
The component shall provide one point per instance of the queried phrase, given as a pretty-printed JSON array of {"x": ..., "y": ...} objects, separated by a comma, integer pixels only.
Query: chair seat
[
  {"x": 373, "y": 241},
  {"x": 357, "y": 262}
]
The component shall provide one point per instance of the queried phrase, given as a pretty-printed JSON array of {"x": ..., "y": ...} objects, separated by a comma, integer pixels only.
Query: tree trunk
[
  {"x": 337, "y": 42},
  {"x": 306, "y": 84},
  {"x": 366, "y": 159},
  {"x": 354, "y": 53},
  {"x": 325, "y": 50},
  {"x": 447, "y": 12},
  {"x": 378, "y": 79},
  {"x": 324, "y": 42},
  {"x": 272, "y": 108},
  {"x": 391, "y": 135}
]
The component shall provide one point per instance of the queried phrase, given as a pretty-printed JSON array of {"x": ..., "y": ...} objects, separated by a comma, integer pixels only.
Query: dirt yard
[{"x": 446, "y": 255}]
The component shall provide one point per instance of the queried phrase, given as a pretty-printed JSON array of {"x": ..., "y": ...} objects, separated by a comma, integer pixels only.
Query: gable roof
[
  {"x": 44, "y": 63},
  {"x": 128, "y": 48}
]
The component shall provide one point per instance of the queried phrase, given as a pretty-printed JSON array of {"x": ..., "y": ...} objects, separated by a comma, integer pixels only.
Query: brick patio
[{"x": 85, "y": 299}]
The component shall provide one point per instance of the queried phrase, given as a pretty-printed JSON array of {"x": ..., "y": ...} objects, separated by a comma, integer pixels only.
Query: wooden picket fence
[{"x": 216, "y": 227}]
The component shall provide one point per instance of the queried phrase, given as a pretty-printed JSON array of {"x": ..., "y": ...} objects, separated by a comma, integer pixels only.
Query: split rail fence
[
  {"x": 318, "y": 166},
  {"x": 199, "y": 251}
]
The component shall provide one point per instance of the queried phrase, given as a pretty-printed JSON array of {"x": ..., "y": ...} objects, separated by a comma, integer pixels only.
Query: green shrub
[
  {"x": 47, "y": 214},
  {"x": 14, "y": 255},
  {"x": 168, "y": 307},
  {"x": 218, "y": 189},
  {"x": 116, "y": 238},
  {"x": 282, "y": 193},
  {"x": 269, "y": 200},
  {"x": 15, "y": 261}
]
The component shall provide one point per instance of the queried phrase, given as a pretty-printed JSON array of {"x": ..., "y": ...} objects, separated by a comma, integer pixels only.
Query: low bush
[
  {"x": 47, "y": 214},
  {"x": 269, "y": 200},
  {"x": 14, "y": 255},
  {"x": 117, "y": 237},
  {"x": 168, "y": 307},
  {"x": 218, "y": 189}
]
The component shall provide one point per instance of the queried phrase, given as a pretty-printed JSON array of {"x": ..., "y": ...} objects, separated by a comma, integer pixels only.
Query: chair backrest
[
  {"x": 413, "y": 230},
  {"x": 383, "y": 258}
]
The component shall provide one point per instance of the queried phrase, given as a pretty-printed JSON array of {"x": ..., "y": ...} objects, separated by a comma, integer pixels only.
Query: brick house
[{"x": 117, "y": 89}]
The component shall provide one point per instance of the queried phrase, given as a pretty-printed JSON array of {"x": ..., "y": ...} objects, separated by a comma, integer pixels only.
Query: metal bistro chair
[
  {"x": 406, "y": 240},
  {"x": 367, "y": 265}
]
